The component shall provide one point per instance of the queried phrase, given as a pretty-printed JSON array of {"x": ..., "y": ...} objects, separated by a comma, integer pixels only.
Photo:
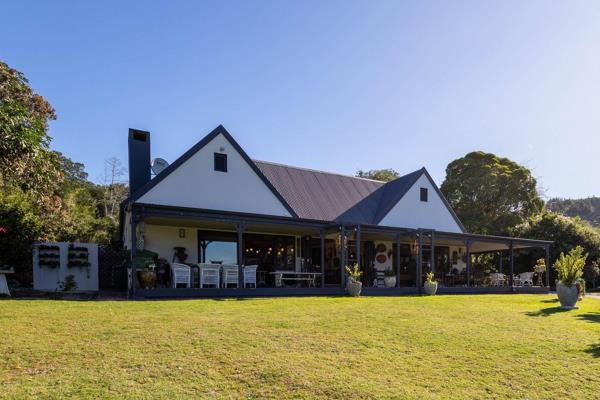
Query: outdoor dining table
[{"x": 308, "y": 277}]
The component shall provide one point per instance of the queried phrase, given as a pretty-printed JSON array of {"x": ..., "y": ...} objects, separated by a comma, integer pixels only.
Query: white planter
[
  {"x": 389, "y": 281},
  {"x": 567, "y": 295},
  {"x": 430, "y": 288},
  {"x": 354, "y": 288}
]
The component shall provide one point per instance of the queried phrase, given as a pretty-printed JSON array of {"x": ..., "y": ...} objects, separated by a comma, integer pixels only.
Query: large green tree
[
  {"x": 384, "y": 175},
  {"x": 490, "y": 194}
]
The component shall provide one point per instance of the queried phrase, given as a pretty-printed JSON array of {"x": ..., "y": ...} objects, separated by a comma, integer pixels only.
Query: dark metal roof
[{"x": 333, "y": 197}]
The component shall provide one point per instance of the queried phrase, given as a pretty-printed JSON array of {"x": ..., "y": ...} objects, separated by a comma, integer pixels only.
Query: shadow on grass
[
  {"x": 590, "y": 317},
  {"x": 546, "y": 312},
  {"x": 594, "y": 350},
  {"x": 550, "y": 301}
]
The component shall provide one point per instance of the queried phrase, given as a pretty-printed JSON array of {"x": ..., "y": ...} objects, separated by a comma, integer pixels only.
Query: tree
[
  {"x": 588, "y": 209},
  {"x": 490, "y": 194},
  {"x": 384, "y": 175},
  {"x": 115, "y": 191}
]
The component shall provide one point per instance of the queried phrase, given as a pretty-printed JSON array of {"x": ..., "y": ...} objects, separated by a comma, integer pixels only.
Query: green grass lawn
[{"x": 491, "y": 346}]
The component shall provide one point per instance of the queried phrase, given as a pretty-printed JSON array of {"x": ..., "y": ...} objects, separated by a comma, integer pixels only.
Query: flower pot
[
  {"x": 567, "y": 295},
  {"x": 430, "y": 288},
  {"x": 354, "y": 288},
  {"x": 389, "y": 281},
  {"x": 147, "y": 279}
]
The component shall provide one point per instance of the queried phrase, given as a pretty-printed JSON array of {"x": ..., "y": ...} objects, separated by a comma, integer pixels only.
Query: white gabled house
[{"x": 289, "y": 230}]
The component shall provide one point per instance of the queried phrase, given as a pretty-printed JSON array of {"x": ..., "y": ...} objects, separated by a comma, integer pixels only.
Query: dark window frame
[
  {"x": 424, "y": 194},
  {"x": 220, "y": 162}
]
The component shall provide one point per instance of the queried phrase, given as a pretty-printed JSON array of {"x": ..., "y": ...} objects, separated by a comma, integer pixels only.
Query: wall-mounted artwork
[
  {"x": 381, "y": 248},
  {"x": 381, "y": 258}
]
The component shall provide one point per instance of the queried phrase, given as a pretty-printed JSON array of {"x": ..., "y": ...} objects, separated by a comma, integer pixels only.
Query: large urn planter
[
  {"x": 430, "y": 288},
  {"x": 389, "y": 281},
  {"x": 147, "y": 279},
  {"x": 567, "y": 295},
  {"x": 354, "y": 288}
]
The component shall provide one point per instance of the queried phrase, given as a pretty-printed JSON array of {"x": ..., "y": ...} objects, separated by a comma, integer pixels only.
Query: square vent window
[
  {"x": 424, "y": 194},
  {"x": 221, "y": 162}
]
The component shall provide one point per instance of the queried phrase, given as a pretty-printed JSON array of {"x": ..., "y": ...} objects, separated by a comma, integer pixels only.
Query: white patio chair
[
  {"x": 180, "y": 275},
  {"x": 250, "y": 275},
  {"x": 210, "y": 275},
  {"x": 231, "y": 275},
  {"x": 524, "y": 279},
  {"x": 497, "y": 279}
]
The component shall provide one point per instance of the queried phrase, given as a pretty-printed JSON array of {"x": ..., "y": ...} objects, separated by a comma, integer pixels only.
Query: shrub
[
  {"x": 429, "y": 278},
  {"x": 569, "y": 268},
  {"x": 389, "y": 272},
  {"x": 354, "y": 273}
]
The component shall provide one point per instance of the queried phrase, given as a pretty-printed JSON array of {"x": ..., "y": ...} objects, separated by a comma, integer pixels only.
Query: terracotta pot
[
  {"x": 567, "y": 295},
  {"x": 354, "y": 288},
  {"x": 147, "y": 279},
  {"x": 389, "y": 281},
  {"x": 430, "y": 288}
]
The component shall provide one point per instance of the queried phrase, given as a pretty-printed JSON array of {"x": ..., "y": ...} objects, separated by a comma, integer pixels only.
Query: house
[{"x": 298, "y": 228}]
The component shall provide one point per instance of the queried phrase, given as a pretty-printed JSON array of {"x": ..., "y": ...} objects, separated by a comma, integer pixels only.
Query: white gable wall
[
  {"x": 411, "y": 212},
  {"x": 196, "y": 184}
]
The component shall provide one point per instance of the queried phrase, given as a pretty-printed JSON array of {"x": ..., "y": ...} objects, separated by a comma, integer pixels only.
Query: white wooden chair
[
  {"x": 524, "y": 279},
  {"x": 180, "y": 275},
  {"x": 230, "y": 275},
  {"x": 210, "y": 275},
  {"x": 497, "y": 279},
  {"x": 250, "y": 275}
]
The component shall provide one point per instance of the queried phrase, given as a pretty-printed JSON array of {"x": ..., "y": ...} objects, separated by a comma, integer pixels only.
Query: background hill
[{"x": 587, "y": 209}]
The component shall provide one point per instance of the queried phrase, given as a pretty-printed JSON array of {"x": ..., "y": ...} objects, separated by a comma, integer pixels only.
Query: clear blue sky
[{"x": 323, "y": 84}]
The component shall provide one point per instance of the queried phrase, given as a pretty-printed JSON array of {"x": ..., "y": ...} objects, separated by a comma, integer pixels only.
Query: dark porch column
[
  {"x": 547, "y": 266},
  {"x": 357, "y": 237},
  {"x": 240, "y": 252},
  {"x": 419, "y": 261},
  {"x": 432, "y": 250},
  {"x": 398, "y": 260},
  {"x": 468, "y": 252},
  {"x": 512, "y": 263},
  {"x": 342, "y": 254},
  {"x": 322, "y": 237},
  {"x": 134, "y": 222}
]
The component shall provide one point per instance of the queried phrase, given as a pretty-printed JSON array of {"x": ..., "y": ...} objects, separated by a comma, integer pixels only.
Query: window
[
  {"x": 424, "y": 194},
  {"x": 221, "y": 162}
]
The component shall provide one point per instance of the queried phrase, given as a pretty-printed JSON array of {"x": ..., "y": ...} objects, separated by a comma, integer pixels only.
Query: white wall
[
  {"x": 162, "y": 240},
  {"x": 411, "y": 212},
  {"x": 196, "y": 184},
  {"x": 48, "y": 279}
]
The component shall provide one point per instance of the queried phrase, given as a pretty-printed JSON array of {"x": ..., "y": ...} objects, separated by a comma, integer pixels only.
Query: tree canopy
[
  {"x": 490, "y": 194},
  {"x": 384, "y": 175}
]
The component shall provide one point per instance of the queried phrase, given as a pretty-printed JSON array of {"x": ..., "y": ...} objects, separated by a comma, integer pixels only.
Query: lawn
[{"x": 490, "y": 346}]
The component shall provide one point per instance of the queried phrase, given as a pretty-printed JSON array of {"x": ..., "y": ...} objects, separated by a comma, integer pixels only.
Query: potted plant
[
  {"x": 539, "y": 269},
  {"x": 354, "y": 285},
  {"x": 430, "y": 284},
  {"x": 147, "y": 276},
  {"x": 389, "y": 278},
  {"x": 569, "y": 270}
]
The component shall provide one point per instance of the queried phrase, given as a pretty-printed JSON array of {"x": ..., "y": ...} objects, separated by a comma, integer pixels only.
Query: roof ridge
[{"x": 319, "y": 171}]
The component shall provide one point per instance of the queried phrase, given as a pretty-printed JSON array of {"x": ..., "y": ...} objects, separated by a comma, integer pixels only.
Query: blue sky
[{"x": 330, "y": 85}]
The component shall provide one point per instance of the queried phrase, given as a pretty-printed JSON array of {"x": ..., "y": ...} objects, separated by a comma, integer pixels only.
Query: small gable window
[
  {"x": 424, "y": 194},
  {"x": 221, "y": 162}
]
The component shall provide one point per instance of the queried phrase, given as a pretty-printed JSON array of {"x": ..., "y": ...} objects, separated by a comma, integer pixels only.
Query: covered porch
[{"x": 280, "y": 256}]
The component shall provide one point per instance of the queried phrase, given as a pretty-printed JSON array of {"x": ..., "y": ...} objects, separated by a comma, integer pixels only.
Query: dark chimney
[{"x": 139, "y": 159}]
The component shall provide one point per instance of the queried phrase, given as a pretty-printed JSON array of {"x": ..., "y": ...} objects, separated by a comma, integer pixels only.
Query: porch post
[
  {"x": 419, "y": 262},
  {"x": 501, "y": 253},
  {"x": 240, "y": 253},
  {"x": 342, "y": 254},
  {"x": 133, "y": 253},
  {"x": 357, "y": 239},
  {"x": 547, "y": 266},
  {"x": 468, "y": 252},
  {"x": 398, "y": 260},
  {"x": 322, "y": 237},
  {"x": 512, "y": 263},
  {"x": 432, "y": 250}
]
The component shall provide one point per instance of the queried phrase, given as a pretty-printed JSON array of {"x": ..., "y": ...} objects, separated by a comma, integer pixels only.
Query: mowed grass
[{"x": 490, "y": 346}]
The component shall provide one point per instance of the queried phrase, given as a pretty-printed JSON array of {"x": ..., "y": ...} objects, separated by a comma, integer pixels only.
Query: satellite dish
[{"x": 158, "y": 165}]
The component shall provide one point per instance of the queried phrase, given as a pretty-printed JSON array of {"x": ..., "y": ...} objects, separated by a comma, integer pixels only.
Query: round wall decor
[
  {"x": 381, "y": 258},
  {"x": 381, "y": 248}
]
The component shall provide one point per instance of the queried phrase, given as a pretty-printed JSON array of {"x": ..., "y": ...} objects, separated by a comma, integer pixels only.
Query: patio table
[{"x": 308, "y": 277}]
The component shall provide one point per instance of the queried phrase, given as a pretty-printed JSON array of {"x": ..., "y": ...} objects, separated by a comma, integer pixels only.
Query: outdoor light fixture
[{"x": 181, "y": 233}]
